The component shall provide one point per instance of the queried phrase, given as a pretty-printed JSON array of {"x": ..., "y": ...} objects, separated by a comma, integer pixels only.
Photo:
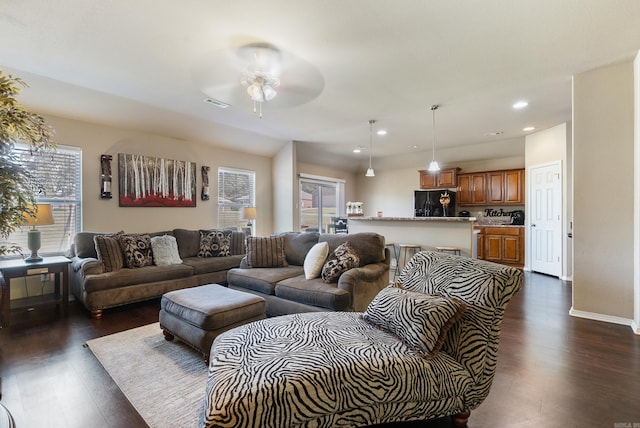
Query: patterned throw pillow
[
  {"x": 420, "y": 320},
  {"x": 109, "y": 252},
  {"x": 136, "y": 249},
  {"x": 165, "y": 250},
  {"x": 215, "y": 243},
  {"x": 266, "y": 252},
  {"x": 341, "y": 260}
]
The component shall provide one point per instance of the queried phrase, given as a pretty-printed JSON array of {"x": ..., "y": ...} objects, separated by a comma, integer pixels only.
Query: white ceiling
[{"x": 143, "y": 64}]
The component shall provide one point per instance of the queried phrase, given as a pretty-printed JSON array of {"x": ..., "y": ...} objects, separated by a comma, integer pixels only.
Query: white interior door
[{"x": 546, "y": 218}]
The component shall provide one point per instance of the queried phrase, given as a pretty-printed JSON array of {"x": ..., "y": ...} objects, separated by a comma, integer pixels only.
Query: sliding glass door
[{"x": 319, "y": 202}]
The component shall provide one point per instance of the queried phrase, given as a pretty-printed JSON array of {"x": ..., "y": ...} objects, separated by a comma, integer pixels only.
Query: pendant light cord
[
  {"x": 370, "y": 140},
  {"x": 433, "y": 110}
]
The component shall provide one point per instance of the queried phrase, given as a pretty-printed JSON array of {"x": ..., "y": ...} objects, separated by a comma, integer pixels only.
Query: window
[
  {"x": 236, "y": 189},
  {"x": 58, "y": 173}
]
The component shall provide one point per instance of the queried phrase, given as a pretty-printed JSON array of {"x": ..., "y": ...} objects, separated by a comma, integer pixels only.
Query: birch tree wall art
[{"x": 147, "y": 181}]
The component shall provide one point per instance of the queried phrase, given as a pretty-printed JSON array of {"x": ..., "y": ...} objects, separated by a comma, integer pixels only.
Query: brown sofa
[
  {"x": 286, "y": 290},
  {"x": 98, "y": 289}
]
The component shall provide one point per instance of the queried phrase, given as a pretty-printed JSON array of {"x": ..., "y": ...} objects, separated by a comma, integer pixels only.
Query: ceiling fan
[{"x": 257, "y": 73}]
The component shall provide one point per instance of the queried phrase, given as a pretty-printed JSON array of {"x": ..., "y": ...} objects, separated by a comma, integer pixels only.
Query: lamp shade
[
  {"x": 249, "y": 213},
  {"x": 43, "y": 216}
]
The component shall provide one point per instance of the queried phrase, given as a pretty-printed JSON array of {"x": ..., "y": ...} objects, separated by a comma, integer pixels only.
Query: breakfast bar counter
[{"x": 428, "y": 232}]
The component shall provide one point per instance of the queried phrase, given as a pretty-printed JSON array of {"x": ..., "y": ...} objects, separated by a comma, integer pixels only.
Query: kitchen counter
[
  {"x": 445, "y": 219},
  {"x": 497, "y": 225},
  {"x": 428, "y": 232}
]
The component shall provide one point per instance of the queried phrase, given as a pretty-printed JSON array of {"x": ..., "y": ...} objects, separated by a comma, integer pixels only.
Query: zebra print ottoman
[{"x": 332, "y": 369}]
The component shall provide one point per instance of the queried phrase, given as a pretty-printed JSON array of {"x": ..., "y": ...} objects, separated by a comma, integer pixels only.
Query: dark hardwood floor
[{"x": 553, "y": 370}]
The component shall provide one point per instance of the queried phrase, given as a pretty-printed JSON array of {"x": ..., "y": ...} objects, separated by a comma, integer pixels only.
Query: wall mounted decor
[
  {"x": 105, "y": 176},
  {"x": 149, "y": 181},
  {"x": 205, "y": 183}
]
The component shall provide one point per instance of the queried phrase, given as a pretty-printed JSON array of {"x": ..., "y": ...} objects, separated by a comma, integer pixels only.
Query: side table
[{"x": 18, "y": 268}]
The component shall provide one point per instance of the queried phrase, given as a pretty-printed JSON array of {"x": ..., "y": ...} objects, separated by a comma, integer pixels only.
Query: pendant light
[
  {"x": 370, "y": 172},
  {"x": 433, "y": 166}
]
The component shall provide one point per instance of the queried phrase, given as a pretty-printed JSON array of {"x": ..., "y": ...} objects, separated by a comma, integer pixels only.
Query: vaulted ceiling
[{"x": 149, "y": 64}]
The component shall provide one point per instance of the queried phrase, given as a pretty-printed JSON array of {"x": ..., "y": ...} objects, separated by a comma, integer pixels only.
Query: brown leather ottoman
[{"x": 198, "y": 315}]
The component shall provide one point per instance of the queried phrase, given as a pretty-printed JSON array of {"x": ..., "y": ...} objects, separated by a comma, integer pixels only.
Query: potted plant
[{"x": 18, "y": 188}]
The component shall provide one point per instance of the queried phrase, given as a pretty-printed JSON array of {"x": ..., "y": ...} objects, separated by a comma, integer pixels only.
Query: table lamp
[
  {"x": 249, "y": 213},
  {"x": 43, "y": 216}
]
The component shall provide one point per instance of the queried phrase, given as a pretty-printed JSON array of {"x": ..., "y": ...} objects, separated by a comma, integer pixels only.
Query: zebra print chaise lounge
[{"x": 381, "y": 366}]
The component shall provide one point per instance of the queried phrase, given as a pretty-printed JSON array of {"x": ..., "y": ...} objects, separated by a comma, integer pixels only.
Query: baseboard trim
[
  {"x": 635, "y": 327},
  {"x": 601, "y": 317}
]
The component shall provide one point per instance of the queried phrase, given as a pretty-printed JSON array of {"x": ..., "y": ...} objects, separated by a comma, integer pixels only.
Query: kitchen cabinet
[
  {"x": 472, "y": 189},
  {"x": 504, "y": 187},
  {"x": 503, "y": 245},
  {"x": 443, "y": 179}
]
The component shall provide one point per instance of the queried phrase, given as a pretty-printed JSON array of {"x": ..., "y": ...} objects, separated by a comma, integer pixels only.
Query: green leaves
[{"x": 17, "y": 186}]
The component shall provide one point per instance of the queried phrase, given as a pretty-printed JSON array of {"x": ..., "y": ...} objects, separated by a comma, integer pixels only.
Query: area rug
[{"x": 164, "y": 381}]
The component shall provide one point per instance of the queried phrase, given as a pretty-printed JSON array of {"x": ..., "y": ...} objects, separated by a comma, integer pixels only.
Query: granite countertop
[{"x": 446, "y": 219}]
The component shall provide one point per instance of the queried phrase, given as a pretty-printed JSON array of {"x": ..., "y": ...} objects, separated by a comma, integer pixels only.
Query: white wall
[
  {"x": 106, "y": 215},
  {"x": 603, "y": 126},
  {"x": 549, "y": 145},
  {"x": 285, "y": 190}
]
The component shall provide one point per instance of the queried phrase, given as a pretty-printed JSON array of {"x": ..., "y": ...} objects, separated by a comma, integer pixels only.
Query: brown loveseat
[
  {"x": 287, "y": 291},
  {"x": 99, "y": 288}
]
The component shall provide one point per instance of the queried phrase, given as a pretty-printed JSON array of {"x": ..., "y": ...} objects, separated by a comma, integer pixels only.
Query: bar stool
[
  {"x": 394, "y": 252},
  {"x": 452, "y": 250},
  {"x": 404, "y": 255}
]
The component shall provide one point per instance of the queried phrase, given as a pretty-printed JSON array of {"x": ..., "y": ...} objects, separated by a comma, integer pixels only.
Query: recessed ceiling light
[
  {"x": 413, "y": 147},
  {"x": 493, "y": 134},
  {"x": 520, "y": 104},
  {"x": 216, "y": 103},
  {"x": 528, "y": 128},
  {"x": 357, "y": 149},
  {"x": 382, "y": 132}
]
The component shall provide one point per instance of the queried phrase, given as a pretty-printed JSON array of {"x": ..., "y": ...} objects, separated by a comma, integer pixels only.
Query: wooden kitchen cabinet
[
  {"x": 503, "y": 245},
  {"x": 472, "y": 189},
  {"x": 444, "y": 179},
  {"x": 491, "y": 188}
]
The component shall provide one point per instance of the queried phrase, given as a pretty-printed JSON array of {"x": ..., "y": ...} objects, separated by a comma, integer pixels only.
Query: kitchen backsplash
[{"x": 494, "y": 215}]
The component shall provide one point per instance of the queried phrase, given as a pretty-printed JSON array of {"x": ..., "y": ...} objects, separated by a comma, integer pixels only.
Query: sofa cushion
[
  {"x": 297, "y": 245},
  {"x": 165, "y": 250},
  {"x": 212, "y": 264},
  {"x": 84, "y": 246},
  {"x": 136, "y": 249},
  {"x": 215, "y": 243},
  {"x": 262, "y": 280},
  {"x": 368, "y": 246},
  {"x": 109, "y": 252},
  {"x": 138, "y": 276},
  {"x": 420, "y": 320},
  {"x": 313, "y": 292},
  {"x": 341, "y": 260},
  {"x": 266, "y": 252},
  {"x": 188, "y": 242},
  {"x": 315, "y": 259}
]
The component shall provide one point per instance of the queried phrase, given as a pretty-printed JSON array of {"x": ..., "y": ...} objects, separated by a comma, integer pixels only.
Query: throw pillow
[
  {"x": 266, "y": 252},
  {"x": 314, "y": 260},
  {"x": 136, "y": 249},
  {"x": 341, "y": 260},
  {"x": 165, "y": 250},
  {"x": 109, "y": 252},
  {"x": 215, "y": 243},
  {"x": 420, "y": 320}
]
